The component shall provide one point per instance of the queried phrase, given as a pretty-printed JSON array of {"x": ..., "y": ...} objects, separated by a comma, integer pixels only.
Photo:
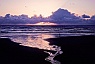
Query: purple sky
[{"x": 45, "y": 7}]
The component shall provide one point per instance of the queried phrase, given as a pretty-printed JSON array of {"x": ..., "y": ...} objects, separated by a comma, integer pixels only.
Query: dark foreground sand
[
  {"x": 76, "y": 50},
  {"x": 13, "y": 53}
]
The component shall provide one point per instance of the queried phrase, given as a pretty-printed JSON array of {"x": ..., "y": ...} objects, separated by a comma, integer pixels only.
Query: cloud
[
  {"x": 85, "y": 16},
  {"x": 60, "y": 16},
  {"x": 64, "y": 16},
  {"x": 93, "y": 17}
]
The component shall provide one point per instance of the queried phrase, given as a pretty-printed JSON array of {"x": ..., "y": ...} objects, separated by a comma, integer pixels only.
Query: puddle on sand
[
  {"x": 51, "y": 56},
  {"x": 37, "y": 41}
]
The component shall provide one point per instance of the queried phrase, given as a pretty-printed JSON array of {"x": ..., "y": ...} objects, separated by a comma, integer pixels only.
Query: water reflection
[
  {"x": 36, "y": 41},
  {"x": 52, "y": 56}
]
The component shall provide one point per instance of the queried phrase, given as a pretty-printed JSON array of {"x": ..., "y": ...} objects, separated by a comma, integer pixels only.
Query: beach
[
  {"x": 13, "y": 53},
  {"x": 76, "y": 50}
]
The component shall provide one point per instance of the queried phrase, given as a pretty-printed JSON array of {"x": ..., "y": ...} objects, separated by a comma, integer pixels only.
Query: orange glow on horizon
[{"x": 45, "y": 23}]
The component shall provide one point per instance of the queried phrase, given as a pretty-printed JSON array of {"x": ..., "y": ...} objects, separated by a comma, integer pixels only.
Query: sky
[{"x": 46, "y": 7}]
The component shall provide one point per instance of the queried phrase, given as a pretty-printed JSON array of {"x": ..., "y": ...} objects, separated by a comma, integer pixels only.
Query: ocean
[{"x": 35, "y": 35}]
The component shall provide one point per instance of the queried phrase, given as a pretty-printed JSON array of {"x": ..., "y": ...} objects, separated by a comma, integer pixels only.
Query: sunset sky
[{"x": 46, "y": 7}]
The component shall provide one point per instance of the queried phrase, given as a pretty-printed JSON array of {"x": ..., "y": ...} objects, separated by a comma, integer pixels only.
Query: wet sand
[
  {"x": 13, "y": 53},
  {"x": 76, "y": 50}
]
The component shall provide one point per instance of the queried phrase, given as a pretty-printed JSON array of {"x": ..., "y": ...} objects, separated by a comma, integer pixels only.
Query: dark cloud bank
[{"x": 61, "y": 16}]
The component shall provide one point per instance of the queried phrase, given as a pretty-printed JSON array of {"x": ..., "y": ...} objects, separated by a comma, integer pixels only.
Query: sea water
[{"x": 35, "y": 35}]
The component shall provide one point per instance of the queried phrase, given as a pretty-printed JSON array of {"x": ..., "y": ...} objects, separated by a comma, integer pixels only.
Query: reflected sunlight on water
[
  {"x": 36, "y": 41},
  {"x": 34, "y": 36}
]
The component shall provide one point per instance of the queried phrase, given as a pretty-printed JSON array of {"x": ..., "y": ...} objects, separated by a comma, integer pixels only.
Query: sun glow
[{"x": 45, "y": 23}]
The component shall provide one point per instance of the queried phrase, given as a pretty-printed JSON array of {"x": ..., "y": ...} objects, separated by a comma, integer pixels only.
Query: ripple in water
[{"x": 51, "y": 57}]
